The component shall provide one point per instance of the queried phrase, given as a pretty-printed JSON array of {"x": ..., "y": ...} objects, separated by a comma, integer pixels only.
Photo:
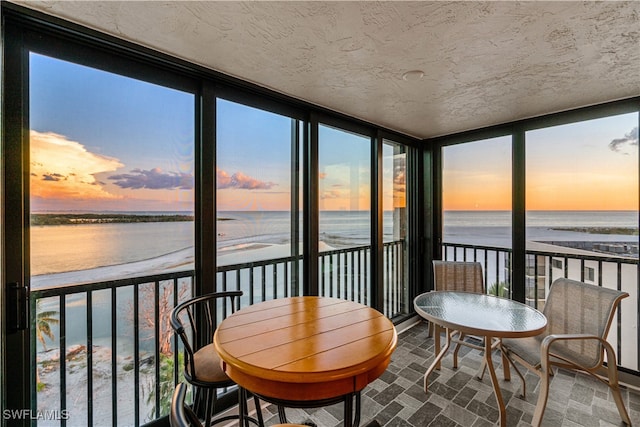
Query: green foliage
[
  {"x": 88, "y": 218},
  {"x": 166, "y": 385},
  {"x": 499, "y": 289},
  {"x": 44, "y": 320},
  {"x": 625, "y": 231}
]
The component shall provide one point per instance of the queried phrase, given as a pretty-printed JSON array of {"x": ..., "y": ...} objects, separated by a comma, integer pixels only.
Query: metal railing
[
  {"x": 343, "y": 273},
  {"x": 128, "y": 376},
  {"x": 543, "y": 267},
  {"x": 114, "y": 335},
  {"x": 113, "y": 345}
]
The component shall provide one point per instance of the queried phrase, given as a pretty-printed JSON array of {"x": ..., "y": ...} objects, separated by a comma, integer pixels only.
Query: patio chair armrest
[
  {"x": 545, "y": 347},
  {"x": 549, "y": 339}
]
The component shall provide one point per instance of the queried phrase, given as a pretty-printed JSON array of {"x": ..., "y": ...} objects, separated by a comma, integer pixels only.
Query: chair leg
[
  {"x": 456, "y": 350},
  {"x": 282, "y": 415},
  {"x": 258, "y": 411},
  {"x": 542, "y": 400},
  {"x": 505, "y": 366},
  {"x": 197, "y": 400},
  {"x": 244, "y": 407},
  {"x": 617, "y": 396},
  {"x": 208, "y": 407},
  {"x": 612, "y": 373}
]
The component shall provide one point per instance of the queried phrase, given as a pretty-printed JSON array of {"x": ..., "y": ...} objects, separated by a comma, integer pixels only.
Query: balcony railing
[
  {"x": 343, "y": 273},
  {"x": 127, "y": 376},
  {"x": 112, "y": 343},
  {"x": 113, "y": 356}
]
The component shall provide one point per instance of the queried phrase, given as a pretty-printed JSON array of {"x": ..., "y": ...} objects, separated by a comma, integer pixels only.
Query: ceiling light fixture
[{"x": 413, "y": 75}]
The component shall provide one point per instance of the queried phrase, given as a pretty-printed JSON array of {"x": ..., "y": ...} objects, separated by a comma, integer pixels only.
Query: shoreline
[
  {"x": 239, "y": 251},
  {"x": 623, "y": 231}
]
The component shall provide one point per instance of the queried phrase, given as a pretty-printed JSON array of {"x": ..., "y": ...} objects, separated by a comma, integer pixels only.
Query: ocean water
[
  {"x": 544, "y": 219},
  {"x": 64, "y": 248}
]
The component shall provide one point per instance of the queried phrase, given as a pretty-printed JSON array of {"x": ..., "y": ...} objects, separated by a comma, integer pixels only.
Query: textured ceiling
[{"x": 484, "y": 63}]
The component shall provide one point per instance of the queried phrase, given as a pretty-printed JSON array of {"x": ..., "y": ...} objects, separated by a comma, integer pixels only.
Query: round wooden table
[{"x": 306, "y": 351}]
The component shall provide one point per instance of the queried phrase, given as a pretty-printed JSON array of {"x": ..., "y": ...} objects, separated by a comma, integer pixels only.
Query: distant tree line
[
  {"x": 633, "y": 231},
  {"x": 71, "y": 219}
]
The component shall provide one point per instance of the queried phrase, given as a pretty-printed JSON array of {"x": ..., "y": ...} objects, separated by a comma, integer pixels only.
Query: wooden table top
[{"x": 305, "y": 348}]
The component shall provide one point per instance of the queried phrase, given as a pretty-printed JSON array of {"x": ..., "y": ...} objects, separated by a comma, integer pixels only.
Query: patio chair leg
[
  {"x": 542, "y": 400},
  {"x": 506, "y": 361},
  {"x": 612, "y": 373},
  {"x": 505, "y": 366},
  {"x": 617, "y": 397},
  {"x": 457, "y": 349},
  {"x": 482, "y": 370}
]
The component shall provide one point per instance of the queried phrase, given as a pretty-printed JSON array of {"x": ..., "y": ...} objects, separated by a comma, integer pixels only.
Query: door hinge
[{"x": 17, "y": 307}]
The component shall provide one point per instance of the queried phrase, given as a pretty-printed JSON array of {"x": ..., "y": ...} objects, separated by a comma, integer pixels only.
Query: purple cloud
[
  {"x": 630, "y": 138},
  {"x": 53, "y": 177},
  {"x": 154, "y": 179}
]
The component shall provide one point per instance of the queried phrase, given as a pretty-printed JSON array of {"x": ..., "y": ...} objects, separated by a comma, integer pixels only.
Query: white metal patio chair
[{"x": 579, "y": 316}]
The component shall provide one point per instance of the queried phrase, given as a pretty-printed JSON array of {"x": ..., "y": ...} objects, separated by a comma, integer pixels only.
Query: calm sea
[{"x": 64, "y": 248}]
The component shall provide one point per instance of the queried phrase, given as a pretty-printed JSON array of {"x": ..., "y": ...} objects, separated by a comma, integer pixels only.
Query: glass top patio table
[
  {"x": 487, "y": 316},
  {"x": 479, "y": 314}
]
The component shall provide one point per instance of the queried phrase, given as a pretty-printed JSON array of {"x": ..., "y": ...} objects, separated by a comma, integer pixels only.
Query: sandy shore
[
  {"x": 175, "y": 261},
  {"x": 76, "y": 386}
]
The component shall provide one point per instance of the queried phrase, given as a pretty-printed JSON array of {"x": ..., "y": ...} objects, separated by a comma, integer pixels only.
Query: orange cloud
[
  {"x": 64, "y": 169},
  {"x": 240, "y": 181}
]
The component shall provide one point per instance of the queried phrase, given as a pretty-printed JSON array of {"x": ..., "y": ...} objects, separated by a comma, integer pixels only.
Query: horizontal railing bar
[
  {"x": 108, "y": 284},
  {"x": 271, "y": 261},
  {"x": 604, "y": 258},
  {"x": 253, "y": 264}
]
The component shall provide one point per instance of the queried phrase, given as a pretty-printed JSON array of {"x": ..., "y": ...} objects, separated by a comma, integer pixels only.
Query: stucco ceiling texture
[{"x": 484, "y": 63}]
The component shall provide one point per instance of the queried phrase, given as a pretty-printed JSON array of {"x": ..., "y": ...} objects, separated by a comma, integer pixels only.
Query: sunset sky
[
  {"x": 590, "y": 165},
  {"x": 105, "y": 142}
]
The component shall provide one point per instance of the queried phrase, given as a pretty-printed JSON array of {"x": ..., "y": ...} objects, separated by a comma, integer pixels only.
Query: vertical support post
[{"x": 518, "y": 213}]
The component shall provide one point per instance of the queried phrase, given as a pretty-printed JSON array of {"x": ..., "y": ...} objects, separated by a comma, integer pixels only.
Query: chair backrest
[
  {"x": 458, "y": 276},
  {"x": 181, "y": 415},
  {"x": 574, "y": 307},
  {"x": 195, "y": 322}
]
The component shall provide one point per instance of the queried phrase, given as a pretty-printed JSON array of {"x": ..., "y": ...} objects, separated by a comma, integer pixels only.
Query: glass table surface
[
  {"x": 477, "y": 314},
  {"x": 480, "y": 314}
]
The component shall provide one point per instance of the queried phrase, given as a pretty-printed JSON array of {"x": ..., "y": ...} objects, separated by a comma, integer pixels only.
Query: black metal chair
[
  {"x": 195, "y": 322},
  {"x": 182, "y": 416}
]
